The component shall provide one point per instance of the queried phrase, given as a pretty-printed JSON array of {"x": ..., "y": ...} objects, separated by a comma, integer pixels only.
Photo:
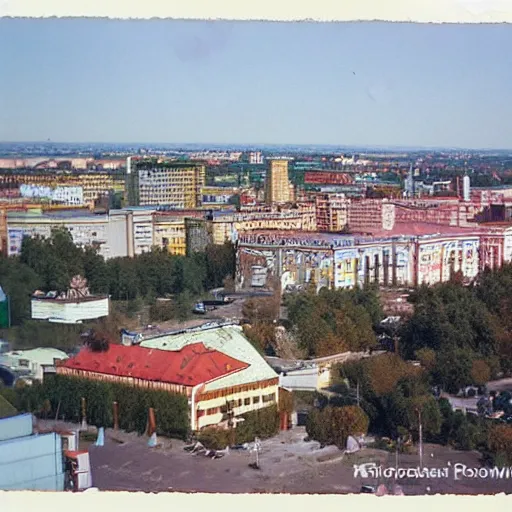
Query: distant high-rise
[
  {"x": 277, "y": 185},
  {"x": 466, "y": 188},
  {"x": 409, "y": 183},
  {"x": 173, "y": 184}
]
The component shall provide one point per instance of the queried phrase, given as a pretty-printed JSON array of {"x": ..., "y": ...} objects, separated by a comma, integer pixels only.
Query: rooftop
[
  {"x": 230, "y": 340},
  {"x": 425, "y": 229},
  {"x": 191, "y": 365}
]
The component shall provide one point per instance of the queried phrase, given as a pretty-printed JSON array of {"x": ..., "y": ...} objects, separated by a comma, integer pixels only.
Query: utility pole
[
  {"x": 421, "y": 437},
  {"x": 357, "y": 393}
]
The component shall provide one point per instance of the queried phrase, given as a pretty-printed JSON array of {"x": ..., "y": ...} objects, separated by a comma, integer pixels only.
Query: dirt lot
[{"x": 288, "y": 464}]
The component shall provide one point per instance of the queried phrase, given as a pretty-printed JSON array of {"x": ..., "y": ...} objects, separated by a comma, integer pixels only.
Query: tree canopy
[
  {"x": 334, "y": 320},
  {"x": 50, "y": 263},
  {"x": 462, "y": 333}
]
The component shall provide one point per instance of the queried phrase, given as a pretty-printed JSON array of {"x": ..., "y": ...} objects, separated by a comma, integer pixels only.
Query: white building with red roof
[
  {"x": 254, "y": 387},
  {"x": 212, "y": 379}
]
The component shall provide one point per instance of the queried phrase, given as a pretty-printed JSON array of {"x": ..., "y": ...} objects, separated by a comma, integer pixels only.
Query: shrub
[
  {"x": 500, "y": 443},
  {"x": 263, "y": 423},
  {"x": 333, "y": 425},
  {"x": 65, "y": 394}
]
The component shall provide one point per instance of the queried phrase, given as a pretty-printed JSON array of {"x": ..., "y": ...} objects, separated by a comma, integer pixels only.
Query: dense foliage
[
  {"x": 333, "y": 425},
  {"x": 263, "y": 423},
  {"x": 50, "y": 263},
  {"x": 335, "y": 321},
  {"x": 61, "y": 395},
  {"x": 463, "y": 335}
]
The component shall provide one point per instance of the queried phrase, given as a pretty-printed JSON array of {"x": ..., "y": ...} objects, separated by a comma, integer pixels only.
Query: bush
[
  {"x": 500, "y": 443},
  {"x": 214, "y": 438},
  {"x": 263, "y": 423},
  {"x": 333, "y": 425},
  {"x": 65, "y": 393}
]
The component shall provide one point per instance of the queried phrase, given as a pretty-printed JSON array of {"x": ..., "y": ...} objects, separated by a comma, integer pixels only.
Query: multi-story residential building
[
  {"x": 331, "y": 212},
  {"x": 72, "y": 187},
  {"x": 118, "y": 233},
  {"x": 197, "y": 235},
  {"x": 173, "y": 184},
  {"x": 174, "y": 231},
  {"x": 217, "y": 197},
  {"x": 225, "y": 226},
  {"x": 85, "y": 228},
  {"x": 365, "y": 215},
  {"x": 169, "y": 233},
  {"x": 277, "y": 184},
  {"x": 115, "y": 233}
]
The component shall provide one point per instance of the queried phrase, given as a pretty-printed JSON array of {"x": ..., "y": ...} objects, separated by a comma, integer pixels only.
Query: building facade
[
  {"x": 344, "y": 261},
  {"x": 254, "y": 387},
  {"x": 72, "y": 187},
  {"x": 277, "y": 183},
  {"x": 210, "y": 377},
  {"x": 171, "y": 184},
  {"x": 29, "y": 462},
  {"x": 225, "y": 226}
]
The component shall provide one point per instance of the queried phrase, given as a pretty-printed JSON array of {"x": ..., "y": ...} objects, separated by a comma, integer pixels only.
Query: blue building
[{"x": 28, "y": 461}]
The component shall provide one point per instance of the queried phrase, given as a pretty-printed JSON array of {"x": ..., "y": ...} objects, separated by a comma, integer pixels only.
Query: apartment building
[
  {"x": 225, "y": 226},
  {"x": 169, "y": 233},
  {"x": 277, "y": 184},
  {"x": 112, "y": 233},
  {"x": 331, "y": 212},
  {"x": 73, "y": 187},
  {"x": 170, "y": 184}
]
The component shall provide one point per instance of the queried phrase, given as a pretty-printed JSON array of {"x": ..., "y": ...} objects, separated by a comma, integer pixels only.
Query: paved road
[{"x": 500, "y": 385}]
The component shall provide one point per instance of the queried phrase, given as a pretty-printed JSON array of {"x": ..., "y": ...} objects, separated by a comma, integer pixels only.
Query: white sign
[{"x": 458, "y": 471}]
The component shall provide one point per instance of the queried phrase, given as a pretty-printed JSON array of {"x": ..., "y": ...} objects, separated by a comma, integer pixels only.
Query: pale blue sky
[{"x": 80, "y": 80}]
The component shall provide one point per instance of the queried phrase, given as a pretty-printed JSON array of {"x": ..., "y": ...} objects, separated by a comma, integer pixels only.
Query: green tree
[
  {"x": 333, "y": 425},
  {"x": 18, "y": 281}
]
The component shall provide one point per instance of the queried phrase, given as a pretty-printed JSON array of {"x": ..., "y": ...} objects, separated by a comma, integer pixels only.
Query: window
[
  {"x": 269, "y": 398},
  {"x": 256, "y": 400},
  {"x": 247, "y": 401}
]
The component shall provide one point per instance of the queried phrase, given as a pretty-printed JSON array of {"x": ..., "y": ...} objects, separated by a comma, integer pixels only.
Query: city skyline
[{"x": 248, "y": 83}]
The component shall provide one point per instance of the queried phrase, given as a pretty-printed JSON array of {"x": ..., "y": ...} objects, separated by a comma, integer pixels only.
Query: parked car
[
  {"x": 199, "y": 309},
  {"x": 368, "y": 489}
]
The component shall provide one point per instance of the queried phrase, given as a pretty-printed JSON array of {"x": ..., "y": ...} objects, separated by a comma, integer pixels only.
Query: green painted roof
[{"x": 44, "y": 356}]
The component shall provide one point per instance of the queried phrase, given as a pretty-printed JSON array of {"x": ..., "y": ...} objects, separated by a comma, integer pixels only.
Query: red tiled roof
[{"x": 193, "y": 364}]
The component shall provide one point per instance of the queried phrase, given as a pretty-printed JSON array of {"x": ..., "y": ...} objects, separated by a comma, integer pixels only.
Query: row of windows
[{"x": 238, "y": 403}]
